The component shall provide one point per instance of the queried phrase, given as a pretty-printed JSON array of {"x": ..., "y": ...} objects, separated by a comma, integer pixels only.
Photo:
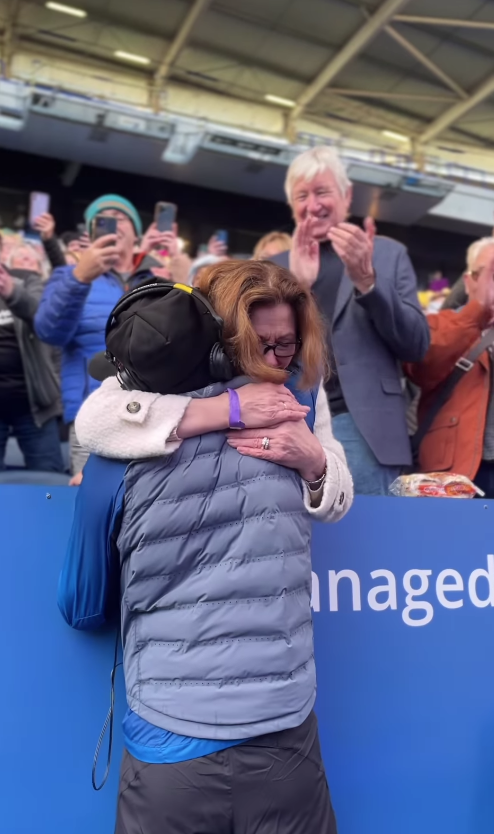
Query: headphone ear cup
[
  {"x": 124, "y": 380},
  {"x": 219, "y": 364},
  {"x": 127, "y": 381}
]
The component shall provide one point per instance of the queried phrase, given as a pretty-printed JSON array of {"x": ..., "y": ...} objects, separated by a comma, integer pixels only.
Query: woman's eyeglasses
[{"x": 282, "y": 349}]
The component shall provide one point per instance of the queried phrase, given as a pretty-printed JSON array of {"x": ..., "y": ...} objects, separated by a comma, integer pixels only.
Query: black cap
[{"x": 163, "y": 340}]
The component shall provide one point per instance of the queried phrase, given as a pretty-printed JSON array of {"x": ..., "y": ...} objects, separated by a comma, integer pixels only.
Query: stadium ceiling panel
[{"x": 415, "y": 75}]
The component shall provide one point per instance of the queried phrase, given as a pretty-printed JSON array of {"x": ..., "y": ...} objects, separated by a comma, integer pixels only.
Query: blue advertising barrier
[{"x": 403, "y": 596}]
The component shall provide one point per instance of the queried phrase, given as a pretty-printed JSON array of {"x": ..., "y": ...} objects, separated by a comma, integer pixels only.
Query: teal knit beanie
[{"x": 113, "y": 201}]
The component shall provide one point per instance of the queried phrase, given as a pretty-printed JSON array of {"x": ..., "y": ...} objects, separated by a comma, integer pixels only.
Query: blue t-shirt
[{"x": 152, "y": 745}]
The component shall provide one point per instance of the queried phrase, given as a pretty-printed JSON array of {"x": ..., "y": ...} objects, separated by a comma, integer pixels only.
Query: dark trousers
[
  {"x": 274, "y": 784},
  {"x": 484, "y": 478},
  {"x": 39, "y": 445}
]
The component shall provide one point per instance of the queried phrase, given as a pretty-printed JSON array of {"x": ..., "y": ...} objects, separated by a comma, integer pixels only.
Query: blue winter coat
[{"x": 73, "y": 316}]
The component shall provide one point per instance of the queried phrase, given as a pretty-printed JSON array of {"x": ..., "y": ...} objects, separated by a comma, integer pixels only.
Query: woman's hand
[
  {"x": 154, "y": 239},
  {"x": 290, "y": 444},
  {"x": 217, "y": 247},
  {"x": 6, "y": 283},
  {"x": 161, "y": 272},
  {"x": 265, "y": 404},
  {"x": 45, "y": 225}
]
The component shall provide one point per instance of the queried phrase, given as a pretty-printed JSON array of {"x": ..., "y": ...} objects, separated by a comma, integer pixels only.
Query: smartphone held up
[
  {"x": 39, "y": 203},
  {"x": 165, "y": 215},
  {"x": 221, "y": 236},
  {"x": 102, "y": 226}
]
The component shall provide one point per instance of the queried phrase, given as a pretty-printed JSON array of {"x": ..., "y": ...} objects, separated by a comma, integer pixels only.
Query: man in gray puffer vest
[{"x": 212, "y": 553}]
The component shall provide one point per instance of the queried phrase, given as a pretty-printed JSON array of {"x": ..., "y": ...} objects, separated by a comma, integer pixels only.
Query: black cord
[{"x": 108, "y": 724}]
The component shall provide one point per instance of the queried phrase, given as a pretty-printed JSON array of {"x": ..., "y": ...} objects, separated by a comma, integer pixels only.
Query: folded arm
[
  {"x": 107, "y": 426},
  {"x": 128, "y": 425}
]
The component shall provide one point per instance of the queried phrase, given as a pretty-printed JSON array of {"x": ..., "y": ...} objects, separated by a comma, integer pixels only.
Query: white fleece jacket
[{"x": 105, "y": 426}]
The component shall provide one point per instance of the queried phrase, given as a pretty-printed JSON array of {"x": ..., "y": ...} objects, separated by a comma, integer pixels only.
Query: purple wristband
[{"x": 234, "y": 419}]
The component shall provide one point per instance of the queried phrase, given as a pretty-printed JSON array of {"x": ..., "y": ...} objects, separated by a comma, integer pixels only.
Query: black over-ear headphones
[{"x": 220, "y": 367}]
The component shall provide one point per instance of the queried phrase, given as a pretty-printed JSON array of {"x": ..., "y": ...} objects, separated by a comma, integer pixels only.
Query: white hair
[
  {"x": 475, "y": 249},
  {"x": 23, "y": 244},
  {"x": 199, "y": 263},
  {"x": 315, "y": 161}
]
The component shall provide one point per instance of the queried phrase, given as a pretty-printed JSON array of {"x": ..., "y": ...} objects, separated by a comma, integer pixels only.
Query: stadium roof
[{"x": 421, "y": 70}]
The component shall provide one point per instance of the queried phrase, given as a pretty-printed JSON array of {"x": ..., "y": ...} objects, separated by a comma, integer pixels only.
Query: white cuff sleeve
[
  {"x": 122, "y": 424},
  {"x": 337, "y": 496}
]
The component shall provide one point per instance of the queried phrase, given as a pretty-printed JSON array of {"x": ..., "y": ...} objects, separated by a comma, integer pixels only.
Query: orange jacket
[{"x": 455, "y": 440}]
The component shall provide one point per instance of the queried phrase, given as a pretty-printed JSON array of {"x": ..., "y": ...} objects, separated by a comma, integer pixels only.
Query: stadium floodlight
[
  {"x": 284, "y": 102},
  {"x": 129, "y": 56},
  {"x": 61, "y": 7},
  {"x": 399, "y": 137}
]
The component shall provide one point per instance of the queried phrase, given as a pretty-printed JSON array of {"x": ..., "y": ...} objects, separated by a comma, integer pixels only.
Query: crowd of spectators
[{"x": 386, "y": 347}]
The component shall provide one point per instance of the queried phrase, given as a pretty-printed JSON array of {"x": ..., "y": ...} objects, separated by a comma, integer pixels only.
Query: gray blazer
[{"x": 371, "y": 335}]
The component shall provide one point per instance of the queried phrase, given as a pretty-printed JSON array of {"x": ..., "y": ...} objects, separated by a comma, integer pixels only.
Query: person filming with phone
[
  {"x": 161, "y": 240},
  {"x": 78, "y": 299},
  {"x": 29, "y": 388}
]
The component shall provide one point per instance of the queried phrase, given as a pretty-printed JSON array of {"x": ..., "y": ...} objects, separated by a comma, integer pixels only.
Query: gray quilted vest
[{"x": 216, "y": 587}]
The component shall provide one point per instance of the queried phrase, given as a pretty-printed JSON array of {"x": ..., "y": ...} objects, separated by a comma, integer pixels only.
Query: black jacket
[{"x": 38, "y": 360}]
